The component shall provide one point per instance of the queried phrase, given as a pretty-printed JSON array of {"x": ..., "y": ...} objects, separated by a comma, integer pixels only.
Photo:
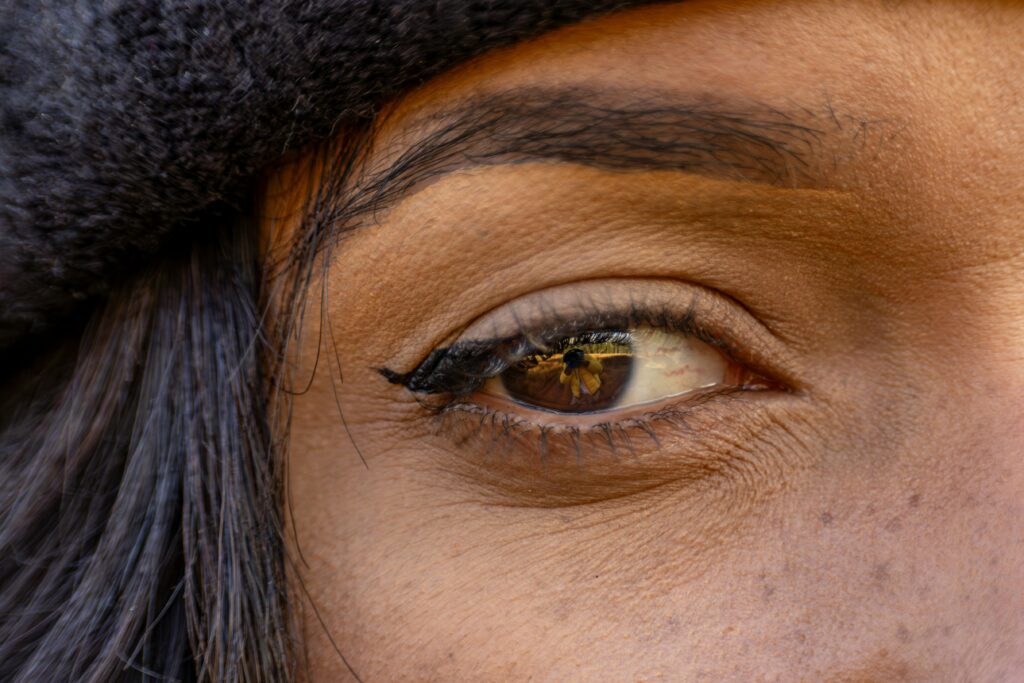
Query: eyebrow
[{"x": 616, "y": 130}]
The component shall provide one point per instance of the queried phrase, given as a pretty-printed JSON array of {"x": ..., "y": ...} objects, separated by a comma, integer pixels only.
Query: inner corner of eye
[{"x": 597, "y": 372}]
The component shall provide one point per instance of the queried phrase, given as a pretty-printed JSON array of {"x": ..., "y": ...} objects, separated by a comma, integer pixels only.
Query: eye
[
  {"x": 613, "y": 369},
  {"x": 561, "y": 382}
]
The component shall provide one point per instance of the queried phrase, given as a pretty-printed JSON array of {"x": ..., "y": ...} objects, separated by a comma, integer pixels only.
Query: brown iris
[{"x": 584, "y": 376}]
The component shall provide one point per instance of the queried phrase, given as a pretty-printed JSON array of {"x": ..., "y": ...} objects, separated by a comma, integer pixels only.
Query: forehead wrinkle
[{"x": 614, "y": 130}]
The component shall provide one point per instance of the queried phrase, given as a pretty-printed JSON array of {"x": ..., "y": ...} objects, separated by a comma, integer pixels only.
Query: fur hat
[{"x": 123, "y": 122}]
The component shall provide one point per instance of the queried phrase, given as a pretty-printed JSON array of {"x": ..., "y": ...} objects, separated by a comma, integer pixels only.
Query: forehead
[
  {"x": 885, "y": 54},
  {"x": 921, "y": 96}
]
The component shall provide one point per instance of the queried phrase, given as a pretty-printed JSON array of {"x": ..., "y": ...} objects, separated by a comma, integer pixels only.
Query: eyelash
[
  {"x": 442, "y": 382},
  {"x": 502, "y": 429}
]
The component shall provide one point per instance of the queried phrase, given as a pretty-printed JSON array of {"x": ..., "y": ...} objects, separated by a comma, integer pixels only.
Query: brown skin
[{"x": 865, "y": 524}]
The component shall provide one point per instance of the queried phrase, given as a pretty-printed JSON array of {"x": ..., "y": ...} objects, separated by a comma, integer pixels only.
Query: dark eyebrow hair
[{"x": 618, "y": 130}]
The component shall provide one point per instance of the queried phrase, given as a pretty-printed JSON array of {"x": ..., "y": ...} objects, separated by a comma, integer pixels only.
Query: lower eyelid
[
  {"x": 537, "y": 417},
  {"x": 736, "y": 380},
  {"x": 689, "y": 443}
]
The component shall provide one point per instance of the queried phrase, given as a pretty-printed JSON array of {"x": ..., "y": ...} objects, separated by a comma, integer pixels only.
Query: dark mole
[
  {"x": 826, "y": 518},
  {"x": 914, "y": 500}
]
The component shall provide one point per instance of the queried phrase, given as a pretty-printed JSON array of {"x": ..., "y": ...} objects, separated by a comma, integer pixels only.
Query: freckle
[
  {"x": 767, "y": 592},
  {"x": 562, "y": 610},
  {"x": 826, "y": 519},
  {"x": 880, "y": 573},
  {"x": 914, "y": 500},
  {"x": 903, "y": 633},
  {"x": 894, "y": 525}
]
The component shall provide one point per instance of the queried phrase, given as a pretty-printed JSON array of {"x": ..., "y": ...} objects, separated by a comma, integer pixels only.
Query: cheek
[
  {"x": 919, "y": 548},
  {"x": 902, "y": 554}
]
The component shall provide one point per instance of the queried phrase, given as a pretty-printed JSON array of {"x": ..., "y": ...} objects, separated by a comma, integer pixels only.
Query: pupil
[{"x": 573, "y": 358}]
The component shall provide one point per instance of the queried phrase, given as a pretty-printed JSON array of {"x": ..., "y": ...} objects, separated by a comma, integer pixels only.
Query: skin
[{"x": 865, "y": 524}]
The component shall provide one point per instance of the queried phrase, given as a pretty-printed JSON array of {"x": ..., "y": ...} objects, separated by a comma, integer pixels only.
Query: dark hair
[
  {"x": 141, "y": 532},
  {"x": 142, "y": 465}
]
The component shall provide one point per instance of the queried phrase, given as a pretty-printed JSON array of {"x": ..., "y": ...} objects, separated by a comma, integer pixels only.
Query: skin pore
[{"x": 841, "y": 212}]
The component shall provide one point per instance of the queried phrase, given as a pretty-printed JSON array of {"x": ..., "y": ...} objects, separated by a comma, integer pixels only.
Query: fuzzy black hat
[{"x": 123, "y": 121}]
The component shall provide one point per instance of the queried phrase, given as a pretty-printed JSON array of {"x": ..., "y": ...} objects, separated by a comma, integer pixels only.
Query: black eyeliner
[{"x": 471, "y": 361}]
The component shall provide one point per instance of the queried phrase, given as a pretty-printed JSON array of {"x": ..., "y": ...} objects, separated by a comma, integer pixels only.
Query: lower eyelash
[
  {"x": 500, "y": 431},
  {"x": 503, "y": 431}
]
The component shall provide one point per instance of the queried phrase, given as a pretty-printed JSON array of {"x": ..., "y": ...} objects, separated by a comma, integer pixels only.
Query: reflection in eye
[{"x": 611, "y": 369}]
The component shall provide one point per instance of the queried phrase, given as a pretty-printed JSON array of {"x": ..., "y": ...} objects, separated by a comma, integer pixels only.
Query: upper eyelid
[{"x": 705, "y": 313}]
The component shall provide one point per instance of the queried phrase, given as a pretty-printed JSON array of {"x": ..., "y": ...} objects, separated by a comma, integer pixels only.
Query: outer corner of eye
[
  {"x": 412, "y": 380},
  {"x": 392, "y": 376}
]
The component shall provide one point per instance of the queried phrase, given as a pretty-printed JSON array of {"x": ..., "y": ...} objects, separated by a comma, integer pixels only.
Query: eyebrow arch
[{"x": 616, "y": 130}]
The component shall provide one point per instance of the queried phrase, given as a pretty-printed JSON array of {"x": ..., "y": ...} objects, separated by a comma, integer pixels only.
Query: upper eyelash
[
  {"x": 458, "y": 369},
  {"x": 461, "y": 369}
]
